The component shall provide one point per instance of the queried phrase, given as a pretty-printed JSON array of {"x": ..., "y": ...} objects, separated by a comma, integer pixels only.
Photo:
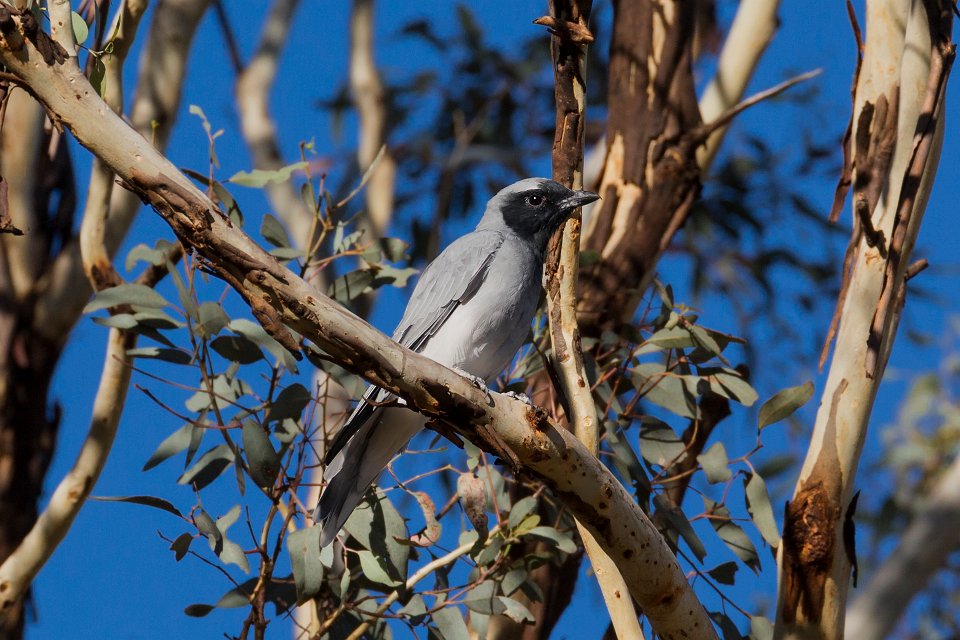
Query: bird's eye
[{"x": 534, "y": 200}]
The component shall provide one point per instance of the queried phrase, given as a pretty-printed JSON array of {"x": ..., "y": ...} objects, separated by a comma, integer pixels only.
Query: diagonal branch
[
  {"x": 280, "y": 299},
  {"x": 569, "y": 64}
]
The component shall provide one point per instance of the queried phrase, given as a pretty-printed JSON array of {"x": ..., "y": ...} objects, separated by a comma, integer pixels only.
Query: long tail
[{"x": 385, "y": 432}]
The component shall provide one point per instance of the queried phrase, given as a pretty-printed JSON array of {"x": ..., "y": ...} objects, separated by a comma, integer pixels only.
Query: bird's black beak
[{"x": 577, "y": 199}]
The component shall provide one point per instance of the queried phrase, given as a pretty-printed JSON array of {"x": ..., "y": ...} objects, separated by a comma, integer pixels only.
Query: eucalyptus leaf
[
  {"x": 171, "y": 445},
  {"x": 732, "y": 535},
  {"x": 660, "y": 445},
  {"x": 679, "y": 523},
  {"x": 236, "y": 349},
  {"x": 450, "y": 624},
  {"x": 273, "y": 232},
  {"x": 262, "y": 459},
  {"x": 148, "y": 501},
  {"x": 783, "y": 404},
  {"x": 289, "y": 403},
  {"x": 760, "y": 509},
  {"x": 724, "y": 573},
  {"x": 210, "y": 465},
  {"x": 259, "y": 178},
  {"x": 374, "y": 570},
  {"x": 714, "y": 462},
  {"x": 135, "y": 295},
  {"x": 173, "y": 356},
  {"x": 303, "y": 545},
  {"x": 181, "y": 545}
]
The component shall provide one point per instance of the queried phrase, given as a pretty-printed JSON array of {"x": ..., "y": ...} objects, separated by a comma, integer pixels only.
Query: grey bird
[{"x": 471, "y": 310}]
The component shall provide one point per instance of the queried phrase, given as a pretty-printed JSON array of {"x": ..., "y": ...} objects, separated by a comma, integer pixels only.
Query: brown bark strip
[
  {"x": 651, "y": 175},
  {"x": 943, "y": 54},
  {"x": 846, "y": 173}
]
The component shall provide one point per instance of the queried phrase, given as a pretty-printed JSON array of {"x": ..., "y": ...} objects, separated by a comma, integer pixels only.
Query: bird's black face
[{"x": 535, "y": 208}]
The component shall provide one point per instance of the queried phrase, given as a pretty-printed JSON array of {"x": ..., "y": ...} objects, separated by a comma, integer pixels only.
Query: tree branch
[
  {"x": 752, "y": 30},
  {"x": 63, "y": 290},
  {"x": 19, "y": 569},
  {"x": 562, "y": 267},
  {"x": 894, "y": 162},
  {"x": 279, "y": 297}
]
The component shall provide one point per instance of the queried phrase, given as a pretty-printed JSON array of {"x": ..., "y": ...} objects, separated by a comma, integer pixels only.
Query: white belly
[{"x": 482, "y": 335}]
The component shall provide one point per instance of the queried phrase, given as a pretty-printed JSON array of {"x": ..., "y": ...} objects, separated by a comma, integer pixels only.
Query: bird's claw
[
  {"x": 477, "y": 381},
  {"x": 522, "y": 397}
]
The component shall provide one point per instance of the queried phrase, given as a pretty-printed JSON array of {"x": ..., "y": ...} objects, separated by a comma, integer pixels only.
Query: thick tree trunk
[{"x": 894, "y": 146}]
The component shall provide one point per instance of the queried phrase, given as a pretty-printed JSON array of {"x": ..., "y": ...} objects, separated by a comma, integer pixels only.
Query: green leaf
[
  {"x": 520, "y": 510},
  {"x": 675, "y": 393},
  {"x": 483, "y": 599},
  {"x": 374, "y": 570},
  {"x": 727, "y": 627},
  {"x": 678, "y": 521},
  {"x": 262, "y": 459},
  {"x": 255, "y": 334},
  {"x": 119, "y": 321},
  {"x": 181, "y": 545},
  {"x": 236, "y": 349},
  {"x": 208, "y": 468},
  {"x": 273, "y": 232},
  {"x": 758, "y": 505},
  {"x": 208, "y": 528},
  {"x": 173, "y": 356},
  {"x": 659, "y": 444},
  {"x": 732, "y": 535},
  {"x": 212, "y": 319},
  {"x": 376, "y": 524},
  {"x": 678, "y": 337},
  {"x": 149, "y": 501},
  {"x": 706, "y": 341},
  {"x": 512, "y": 580},
  {"x": 198, "y": 610},
  {"x": 350, "y": 285},
  {"x": 80, "y": 28},
  {"x": 516, "y": 611},
  {"x": 724, "y": 573},
  {"x": 171, "y": 445},
  {"x": 730, "y": 384},
  {"x": 230, "y": 552},
  {"x": 289, "y": 403},
  {"x": 394, "y": 249},
  {"x": 714, "y": 462},
  {"x": 450, "y": 624},
  {"x": 303, "y": 545},
  {"x": 415, "y": 609},
  {"x": 783, "y": 404},
  {"x": 627, "y": 463},
  {"x": 387, "y": 275},
  {"x": 136, "y": 295},
  {"x": 183, "y": 293},
  {"x": 563, "y": 540},
  {"x": 152, "y": 255},
  {"x": 97, "y": 74},
  {"x": 259, "y": 178}
]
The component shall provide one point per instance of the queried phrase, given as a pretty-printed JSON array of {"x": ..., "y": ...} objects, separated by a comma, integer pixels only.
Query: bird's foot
[
  {"x": 477, "y": 381},
  {"x": 522, "y": 397}
]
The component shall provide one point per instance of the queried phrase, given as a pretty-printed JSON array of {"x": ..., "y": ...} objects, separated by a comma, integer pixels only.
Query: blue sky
[{"x": 113, "y": 577}]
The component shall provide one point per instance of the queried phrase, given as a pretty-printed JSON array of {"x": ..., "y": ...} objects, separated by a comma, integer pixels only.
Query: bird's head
[{"x": 533, "y": 209}]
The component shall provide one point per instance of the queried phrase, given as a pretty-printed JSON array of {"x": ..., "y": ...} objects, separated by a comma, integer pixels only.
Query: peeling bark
[{"x": 897, "y": 129}]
